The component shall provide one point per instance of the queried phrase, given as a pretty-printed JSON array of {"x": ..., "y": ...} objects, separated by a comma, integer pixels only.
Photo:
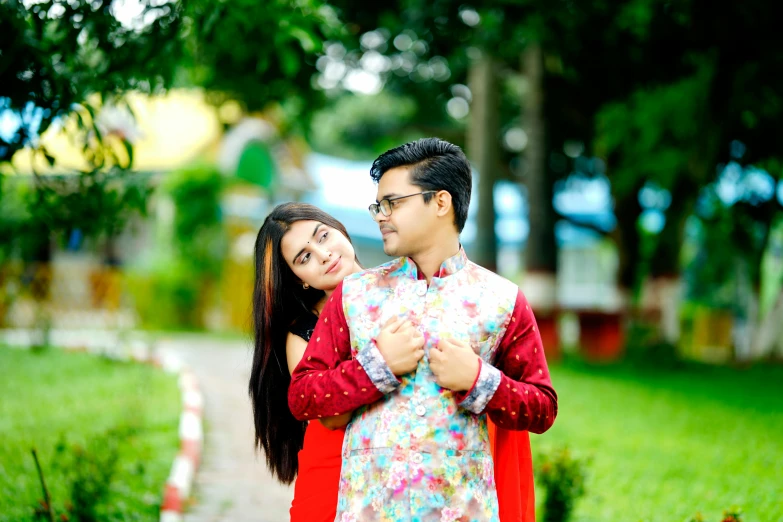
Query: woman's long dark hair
[{"x": 278, "y": 300}]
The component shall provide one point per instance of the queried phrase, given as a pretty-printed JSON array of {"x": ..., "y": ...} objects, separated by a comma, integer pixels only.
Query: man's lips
[
  {"x": 386, "y": 231},
  {"x": 334, "y": 265}
]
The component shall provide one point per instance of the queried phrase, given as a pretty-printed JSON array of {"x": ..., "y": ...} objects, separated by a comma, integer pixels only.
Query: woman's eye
[
  {"x": 305, "y": 258},
  {"x": 323, "y": 237}
]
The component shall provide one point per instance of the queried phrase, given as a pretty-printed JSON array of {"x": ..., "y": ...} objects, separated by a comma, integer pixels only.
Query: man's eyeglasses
[{"x": 384, "y": 206}]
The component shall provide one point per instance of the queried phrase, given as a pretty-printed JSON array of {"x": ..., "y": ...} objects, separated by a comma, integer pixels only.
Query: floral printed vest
[{"x": 416, "y": 455}]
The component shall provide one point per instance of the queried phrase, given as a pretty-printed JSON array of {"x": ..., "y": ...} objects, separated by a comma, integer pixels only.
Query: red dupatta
[{"x": 513, "y": 474}]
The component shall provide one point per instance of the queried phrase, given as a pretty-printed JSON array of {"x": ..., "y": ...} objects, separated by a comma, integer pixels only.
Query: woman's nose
[{"x": 324, "y": 254}]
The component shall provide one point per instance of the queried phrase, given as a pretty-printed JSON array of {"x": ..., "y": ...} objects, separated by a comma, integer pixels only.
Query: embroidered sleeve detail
[
  {"x": 377, "y": 370},
  {"x": 483, "y": 390}
]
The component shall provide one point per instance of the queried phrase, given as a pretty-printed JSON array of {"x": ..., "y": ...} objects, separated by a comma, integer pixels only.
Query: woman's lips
[{"x": 334, "y": 265}]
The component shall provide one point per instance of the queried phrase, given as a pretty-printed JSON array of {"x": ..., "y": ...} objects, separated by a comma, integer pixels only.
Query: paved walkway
[{"x": 232, "y": 483}]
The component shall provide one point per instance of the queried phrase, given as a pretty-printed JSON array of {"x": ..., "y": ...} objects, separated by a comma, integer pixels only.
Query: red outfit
[
  {"x": 315, "y": 490},
  {"x": 513, "y": 474},
  {"x": 320, "y": 460}
]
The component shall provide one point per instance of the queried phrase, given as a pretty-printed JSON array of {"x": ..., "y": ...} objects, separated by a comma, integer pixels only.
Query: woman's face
[{"x": 318, "y": 255}]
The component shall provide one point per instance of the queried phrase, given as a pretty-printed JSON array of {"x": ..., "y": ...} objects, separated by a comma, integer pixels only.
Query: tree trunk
[
  {"x": 768, "y": 286},
  {"x": 663, "y": 289},
  {"x": 483, "y": 149},
  {"x": 541, "y": 251},
  {"x": 665, "y": 261},
  {"x": 628, "y": 210},
  {"x": 768, "y": 332},
  {"x": 539, "y": 283}
]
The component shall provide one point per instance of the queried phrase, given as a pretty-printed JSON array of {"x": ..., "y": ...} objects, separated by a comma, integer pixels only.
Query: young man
[{"x": 465, "y": 345}]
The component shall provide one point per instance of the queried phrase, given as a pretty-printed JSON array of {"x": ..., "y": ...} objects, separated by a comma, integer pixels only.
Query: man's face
[{"x": 405, "y": 232}]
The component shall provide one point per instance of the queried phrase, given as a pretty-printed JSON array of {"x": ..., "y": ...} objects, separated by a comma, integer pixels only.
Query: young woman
[{"x": 302, "y": 254}]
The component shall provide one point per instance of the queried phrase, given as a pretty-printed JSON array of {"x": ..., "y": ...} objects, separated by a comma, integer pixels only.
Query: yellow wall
[{"x": 175, "y": 128}]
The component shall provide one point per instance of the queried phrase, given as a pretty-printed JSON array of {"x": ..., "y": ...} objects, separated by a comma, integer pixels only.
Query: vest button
[
  {"x": 417, "y": 458},
  {"x": 420, "y": 411}
]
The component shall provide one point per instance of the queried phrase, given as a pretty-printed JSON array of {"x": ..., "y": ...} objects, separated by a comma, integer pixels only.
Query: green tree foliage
[
  {"x": 56, "y": 53},
  {"x": 679, "y": 131},
  {"x": 259, "y": 53}
]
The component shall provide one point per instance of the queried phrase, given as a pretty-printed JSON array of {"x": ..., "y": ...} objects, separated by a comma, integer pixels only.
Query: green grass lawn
[
  {"x": 666, "y": 445},
  {"x": 56, "y": 402}
]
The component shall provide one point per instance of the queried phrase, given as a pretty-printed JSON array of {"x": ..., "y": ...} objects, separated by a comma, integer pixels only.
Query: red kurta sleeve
[
  {"x": 516, "y": 392},
  {"x": 328, "y": 381}
]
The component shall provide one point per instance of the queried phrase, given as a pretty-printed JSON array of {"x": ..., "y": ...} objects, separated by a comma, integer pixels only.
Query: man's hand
[
  {"x": 454, "y": 364},
  {"x": 401, "y": 344}
]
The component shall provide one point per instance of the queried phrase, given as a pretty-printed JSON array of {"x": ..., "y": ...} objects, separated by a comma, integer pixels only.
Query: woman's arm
[{"x": 294, "y": 350}]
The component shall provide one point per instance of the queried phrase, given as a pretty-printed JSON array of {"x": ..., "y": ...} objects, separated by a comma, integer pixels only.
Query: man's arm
[
  {"x": 518, "y": 393},
  {"x": 328, "y": 381}
]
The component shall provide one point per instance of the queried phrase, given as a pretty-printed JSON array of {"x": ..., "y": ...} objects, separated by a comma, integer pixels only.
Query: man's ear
[{"x": 443, "y": 201}]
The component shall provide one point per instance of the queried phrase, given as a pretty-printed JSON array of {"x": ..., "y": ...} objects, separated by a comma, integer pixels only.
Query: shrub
[{"x": 563, "y": 479}]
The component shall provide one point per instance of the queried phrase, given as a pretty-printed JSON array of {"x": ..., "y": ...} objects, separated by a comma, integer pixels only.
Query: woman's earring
[{"x": 305, "y": 286}]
